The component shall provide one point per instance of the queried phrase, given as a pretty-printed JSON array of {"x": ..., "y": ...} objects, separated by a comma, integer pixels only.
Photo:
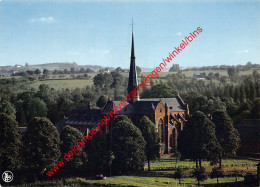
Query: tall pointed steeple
[{"x": 132, "y": 82}]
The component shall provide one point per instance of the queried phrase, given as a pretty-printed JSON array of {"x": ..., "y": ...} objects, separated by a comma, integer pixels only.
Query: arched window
[
  {"x": 161, "y": 130},
  {"x": 174, "y": 139}
]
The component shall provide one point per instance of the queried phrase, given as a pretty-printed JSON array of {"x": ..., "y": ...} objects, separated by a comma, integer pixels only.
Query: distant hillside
[{"x": 51, "y": 67}]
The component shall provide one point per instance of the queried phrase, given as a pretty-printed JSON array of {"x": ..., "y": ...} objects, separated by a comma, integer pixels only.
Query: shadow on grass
[{"x": 152, "y": 174}]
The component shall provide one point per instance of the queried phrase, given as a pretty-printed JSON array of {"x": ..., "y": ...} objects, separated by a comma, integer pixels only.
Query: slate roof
[
  {"x": 82, "y": 116},
  {"x": 143, "y": 106},
  {"x": 172, "y": 103}
]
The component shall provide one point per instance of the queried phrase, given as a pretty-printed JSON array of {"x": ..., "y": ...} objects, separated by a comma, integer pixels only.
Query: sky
[{"x": 98, "y": 32}]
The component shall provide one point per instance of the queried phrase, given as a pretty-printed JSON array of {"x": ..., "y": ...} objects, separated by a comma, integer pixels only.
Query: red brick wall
[{"x": 249, "y": 147}]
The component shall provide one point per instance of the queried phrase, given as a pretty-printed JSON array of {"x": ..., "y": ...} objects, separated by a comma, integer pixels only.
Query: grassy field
[
  {"x": 154, "y": 181},
  {"x": 64, "y": 81},
  {"x": 155, "y": 178},
  {"x": 59, "y": 84},
  {"x": 227, "y": 163},
  {"x": 132, "y": 181}
]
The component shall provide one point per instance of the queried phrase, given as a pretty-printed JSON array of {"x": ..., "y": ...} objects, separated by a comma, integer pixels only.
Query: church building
[{"x": 168, "y": 114}]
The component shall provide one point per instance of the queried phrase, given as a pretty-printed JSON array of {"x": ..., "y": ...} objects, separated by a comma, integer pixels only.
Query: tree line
[{"x": 123, "y": 150}]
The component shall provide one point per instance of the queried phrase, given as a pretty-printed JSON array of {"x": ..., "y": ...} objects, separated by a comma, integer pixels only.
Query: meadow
[
  {"x": 70, "y": 81},
  {"x": 64, "y": 84},
  {"x": 162, "y": 178},
  {"x": 129, "y": 181},
  {"x": 226, "y": 163},
  {"x": 66, "y": 81}
]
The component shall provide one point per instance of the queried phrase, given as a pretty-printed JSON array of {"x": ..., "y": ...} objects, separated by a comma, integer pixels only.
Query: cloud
[
  {"x": 100, "y": 51},
  {"x": 43, "y": 20},
  {"x": 178, "y": 34},
  {"x": 243, "y": 51}
]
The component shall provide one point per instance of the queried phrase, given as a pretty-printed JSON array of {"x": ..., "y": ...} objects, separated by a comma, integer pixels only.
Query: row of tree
[
  {"x": 205, "y": 139},
  {"x": 124, "y": 149},
  {"x": 246, "y": 67}
]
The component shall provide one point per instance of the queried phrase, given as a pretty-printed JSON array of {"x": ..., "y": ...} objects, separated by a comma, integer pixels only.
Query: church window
[
  {"x": 161, "y": 131},
  {"x": 160, "y": 110}
]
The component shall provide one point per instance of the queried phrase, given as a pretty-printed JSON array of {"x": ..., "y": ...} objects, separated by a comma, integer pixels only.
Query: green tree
[
  {"x": 108, "y": 80},
  {"x": 159, "y": 91},
  {"x": 46, "y": 72},
  {"x": 72, "y": 70},
  {"x": 198, "y": 141},
  {"x": 200, "y": 174},
  {"x": 179, "y": 174},
  {"x": 52, "y": 112},
  {"x": 7, "y": 107},
  {"x": 44, "y": 92},
  {"x": 99, "y": 156},
  {"x": 20, "y": 115},
  {"x": 99, "y": 80},
  {"x": 232, "y": 73},
  {"x": 237, "y": 94},
  {"x": 216, "y": 173},
  {"x": 89, "y": 70},
  {"x": 252, "y": 95},
  {"x": 214, "y": 104},
  {"x": 42, "y": 145},
  {"x": 35, "y": 107},
  {"x": 242, "y": 93},
  {"x": 198, "y": 102},
  {"x": 175, "y": 68},
  {"x": 37, "y": 71},
  {"x": 30, "y": 72},
  {"x": 65, "y": 108},
  {"x": 150, "y": 135},
  {"x": 128, "y": 147},
  {"x": 70, "y": 137},
  {"x": 256, "y": 75},
  {"x": 118, "y": 118},
  {"x": 138, "y": 70},
  {"x": 102, "y": 100},
  {"x": 10, "y": 144},
  {"x": 118, "y": 80},
  {"x": 227, "y": 135},
  {"x": 256, "y": 109},
  {"x": 77, "y": 96},
  {"x": 65, "y": 71},
  {"x": 82, "y": 70}
]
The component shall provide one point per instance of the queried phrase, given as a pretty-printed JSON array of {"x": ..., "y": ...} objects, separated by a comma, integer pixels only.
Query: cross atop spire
[{"x": 132, "y": 25}]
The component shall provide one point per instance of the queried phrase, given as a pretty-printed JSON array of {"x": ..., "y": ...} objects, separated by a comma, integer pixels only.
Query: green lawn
[
  {"x": 227, "y": 163},
  {"x": 152, "y": 179},
  {"x": 155, "y": 181},
  {"x": 59, "y": 84},
  {"x": 131, "y": 181}
]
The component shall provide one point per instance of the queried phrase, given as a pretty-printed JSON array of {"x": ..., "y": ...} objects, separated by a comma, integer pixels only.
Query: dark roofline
[{"x": 179, "y": 99}]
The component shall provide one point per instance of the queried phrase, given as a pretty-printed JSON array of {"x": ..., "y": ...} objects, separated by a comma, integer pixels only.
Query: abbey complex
[{"x": 168, "y": 114}]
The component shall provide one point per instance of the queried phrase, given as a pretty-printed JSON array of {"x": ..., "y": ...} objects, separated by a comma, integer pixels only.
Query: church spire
[{"x": 132, "y": 82}]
